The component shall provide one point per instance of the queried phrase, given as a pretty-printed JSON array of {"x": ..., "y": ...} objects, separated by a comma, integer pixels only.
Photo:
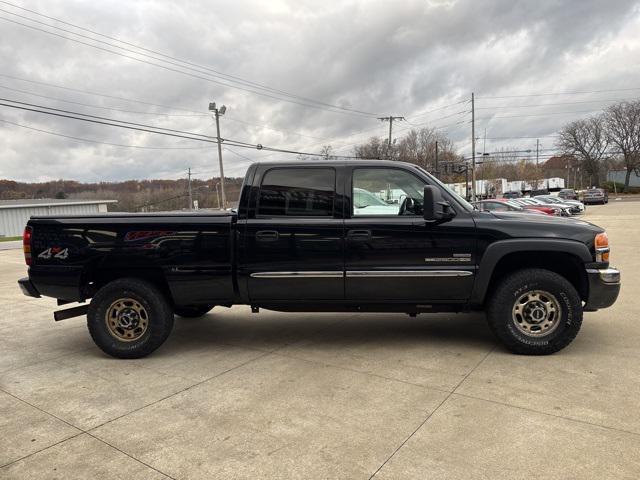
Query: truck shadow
[{"x": 271, "y": 331}]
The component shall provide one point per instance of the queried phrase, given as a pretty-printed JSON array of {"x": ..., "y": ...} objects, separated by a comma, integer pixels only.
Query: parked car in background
[
  {"x": 366, "y": 203},
  {"x": 536, "y": 193},
  {"x": 568, "y": 194},
  {"x": 511, "y": 195},
  {"x": 548, "y": 209},
  {"x": 596, "y": 195},
  {"x": 576, "y": 206},
  {"x": 565, "y": 210},
  {"x": 503, "y": 205}
]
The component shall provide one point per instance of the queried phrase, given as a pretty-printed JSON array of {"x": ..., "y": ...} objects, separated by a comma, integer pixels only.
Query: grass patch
[{"x": 9, "y": 239}]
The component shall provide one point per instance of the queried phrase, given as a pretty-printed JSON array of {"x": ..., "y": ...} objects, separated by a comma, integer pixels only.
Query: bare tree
[
  {"x": 326, "y": 152},
  {"x": 375, "y": 148},
  {"x": 622, "y": 122},
  {"x": 587, "y": 139}
]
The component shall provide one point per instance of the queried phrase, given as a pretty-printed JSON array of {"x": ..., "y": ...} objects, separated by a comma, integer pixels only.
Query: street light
[{"x": 217, "y": 112}]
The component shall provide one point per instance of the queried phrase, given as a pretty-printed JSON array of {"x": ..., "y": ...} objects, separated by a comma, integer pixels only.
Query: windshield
[
  {"x": 466, "y": 205},
  {"x": 514, "y": 205}
]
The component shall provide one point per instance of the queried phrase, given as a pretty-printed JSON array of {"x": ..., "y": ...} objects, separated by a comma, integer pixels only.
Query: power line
[
  {"x": 181, "y": 68},
  {"x": 441, "y": 118},
  {"x": 215, "y": 73},
  {"x": 193, "y": 113},
  {"x": 562, "y": 93},
  {"x": 554, "y": 104},
  {"x": 126, "y": 125},
  {"x": 107, "y": 119},
  {"x": 80, "y": 139},
  {"x": 152, "y": 129},
  {"x": 426, "y": 112},
  {"x": 101, "y": 107},
  {"x": 507, "y": 138},
  {"x": 86, "y": 92},
  {"x": 539, "y": 114}
]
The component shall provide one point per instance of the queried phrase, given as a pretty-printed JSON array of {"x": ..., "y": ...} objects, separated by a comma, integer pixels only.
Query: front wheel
[
  {"x": 129, "y": 318},
  {"x": 535, "y": 312}
]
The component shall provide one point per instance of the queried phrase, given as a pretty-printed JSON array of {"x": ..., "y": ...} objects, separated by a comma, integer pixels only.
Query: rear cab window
[{"x": 297, "y": 192}]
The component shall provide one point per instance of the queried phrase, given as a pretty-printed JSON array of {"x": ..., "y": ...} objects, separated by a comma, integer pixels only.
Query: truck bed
[{"x": 191, "y": 252}]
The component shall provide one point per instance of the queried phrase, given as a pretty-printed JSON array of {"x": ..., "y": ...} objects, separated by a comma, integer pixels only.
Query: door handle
[
  {"x": 267, "y": 236},
  {"x": 359, "y": 235}
]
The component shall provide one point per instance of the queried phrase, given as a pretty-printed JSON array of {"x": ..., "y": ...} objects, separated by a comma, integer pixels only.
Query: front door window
[{"x": 386, "y": 192}]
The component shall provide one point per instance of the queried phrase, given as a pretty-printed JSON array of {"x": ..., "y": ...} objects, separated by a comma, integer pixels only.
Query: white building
[{"x": 15, "y": 213}]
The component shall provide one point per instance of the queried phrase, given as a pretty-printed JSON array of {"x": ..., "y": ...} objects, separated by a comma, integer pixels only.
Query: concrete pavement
[{"x": 274, "y": 395}]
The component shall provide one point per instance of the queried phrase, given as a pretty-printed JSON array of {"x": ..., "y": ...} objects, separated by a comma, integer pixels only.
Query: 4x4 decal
[{"x": 55, "y": 252}]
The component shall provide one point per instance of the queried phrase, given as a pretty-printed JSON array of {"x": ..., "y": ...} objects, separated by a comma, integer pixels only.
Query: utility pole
[
  {"x": 217, "y": 196},
  {"x": 473, "y": 148},
  {"x": 436, "y": 172},
  {"x": 218, "y": 112},
  {"x": 390, "y": 119},
  {"x": 537, "y": 151},
  {"x": 190, "y": 193}
]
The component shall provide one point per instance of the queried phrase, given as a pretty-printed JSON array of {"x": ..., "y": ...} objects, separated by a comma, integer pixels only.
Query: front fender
[{"x": 497, "y": 250}]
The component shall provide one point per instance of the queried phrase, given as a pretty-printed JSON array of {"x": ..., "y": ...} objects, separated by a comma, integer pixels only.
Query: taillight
[
  {"x": 26, "y": 244},
  {"x": 601, "y": 243}
]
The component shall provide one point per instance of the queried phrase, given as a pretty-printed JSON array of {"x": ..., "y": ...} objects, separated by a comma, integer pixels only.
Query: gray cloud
[{"x": 390, "y": 58}]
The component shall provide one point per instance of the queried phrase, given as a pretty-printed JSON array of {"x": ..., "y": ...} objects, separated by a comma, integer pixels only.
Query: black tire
[
  {"x": 506, "y": 318},
  {"x": 192, "y": 311},
  {"x": 155, "y": 318}
]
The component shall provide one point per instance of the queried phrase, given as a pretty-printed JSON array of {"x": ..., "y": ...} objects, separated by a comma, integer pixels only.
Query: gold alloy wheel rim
[
  {"x": 126, "y": 319},
  {"x": 536, "y": 313}
]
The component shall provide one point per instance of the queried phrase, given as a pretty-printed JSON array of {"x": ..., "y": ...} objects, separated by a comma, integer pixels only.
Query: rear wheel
[
  {"x": 192, "y": 311},
  {"x": 129, "y": 318},
  {"x": 535, "y": 312}
]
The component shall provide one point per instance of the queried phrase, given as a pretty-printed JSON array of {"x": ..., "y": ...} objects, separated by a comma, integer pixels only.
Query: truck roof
[{"x": 336, "y": 163}]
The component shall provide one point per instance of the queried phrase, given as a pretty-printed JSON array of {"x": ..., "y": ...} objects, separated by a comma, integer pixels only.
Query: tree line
[{"x": 132, "y": 195}]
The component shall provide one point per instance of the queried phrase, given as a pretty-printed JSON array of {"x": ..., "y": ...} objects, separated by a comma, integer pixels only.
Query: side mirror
[{"x": 435, "y": 208}]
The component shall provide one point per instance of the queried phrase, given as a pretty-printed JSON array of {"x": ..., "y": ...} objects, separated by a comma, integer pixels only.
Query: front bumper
[
  {"x": 604, "y": 287},
  {"x": 28, "y": 288}
]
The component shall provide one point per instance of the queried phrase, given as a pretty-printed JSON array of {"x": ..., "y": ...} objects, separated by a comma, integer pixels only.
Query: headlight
[{"x": 601, "y": 243}]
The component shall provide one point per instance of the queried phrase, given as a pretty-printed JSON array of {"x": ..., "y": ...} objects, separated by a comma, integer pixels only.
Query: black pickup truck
[{"x": 363, "y": 236}]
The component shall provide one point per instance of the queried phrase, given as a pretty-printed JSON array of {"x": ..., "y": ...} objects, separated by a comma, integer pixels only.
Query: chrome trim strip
[
  {"x": 310, "y": 274},
  {"x": 408, "y": 273},
  {"x": 365, "y": 273},
  {"x": 448, "y": 259}
]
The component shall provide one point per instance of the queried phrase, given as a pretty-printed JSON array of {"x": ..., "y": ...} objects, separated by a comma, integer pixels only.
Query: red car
[
  {"x": 526, "y": 206},
  {"x": 503, "y": 205}
]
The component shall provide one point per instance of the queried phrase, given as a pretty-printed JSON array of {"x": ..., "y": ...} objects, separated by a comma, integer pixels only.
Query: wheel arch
[
  {"x": 154, "y": 276},
  {"x": 565, "y": 257}
]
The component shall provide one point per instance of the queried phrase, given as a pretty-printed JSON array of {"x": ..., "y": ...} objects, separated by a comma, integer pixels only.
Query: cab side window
[
  {"x": 307, "y": 192},
  {"x": 386, "y": 192}
]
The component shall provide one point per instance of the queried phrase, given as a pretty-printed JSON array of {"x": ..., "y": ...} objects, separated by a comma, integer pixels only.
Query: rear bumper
[
  {"x": 28, "y": 288},
  {"x": 604, "y": 287}
]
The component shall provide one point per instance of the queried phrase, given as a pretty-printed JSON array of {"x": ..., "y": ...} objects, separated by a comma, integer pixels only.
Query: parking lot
[{"x": 275, "y": 395}]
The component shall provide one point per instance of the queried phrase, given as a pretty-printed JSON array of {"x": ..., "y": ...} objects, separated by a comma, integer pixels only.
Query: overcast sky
[{"x": 380, "y": 58}]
